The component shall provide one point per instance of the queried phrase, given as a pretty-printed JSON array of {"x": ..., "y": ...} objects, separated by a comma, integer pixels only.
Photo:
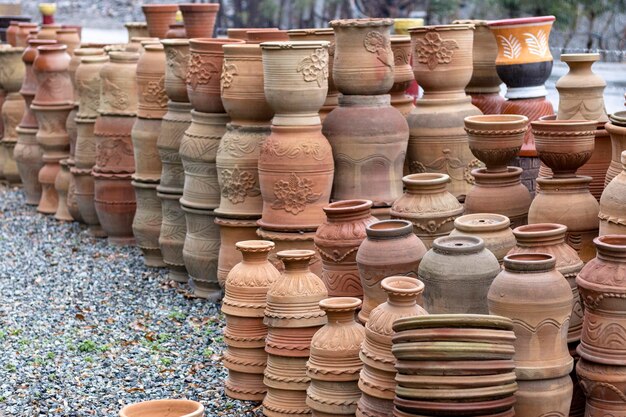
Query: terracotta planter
[
  {"x": 28, "y": 156},
  {"x": 198, "y": 152},
  {"x": 603, "y": 385},
  {"x": 23, "y": 33},
  {"x": 612, "y": 215},
  {"x": 84, "y": 193},
  {"x": 62, "y": 185},
  {"x": 144, "y": 136},
  {"x": 550, "y": 238},
  {"x": 402, "y": 74},
  {"x": 363, "y": 63},
  {"x": 204, "y": 72},
  {"x": 580, "y": 90},
  {"x": 175, "y": 122},
  {"x": 199, "y": 19},
  {"x": 164, "y": 408},
  {"x": 337, "y": 240},
  {"x": 151, "y": 83},
  {"x": 147, "y": 223},
  {"x": 597, "y": 166},
  {"x": 118, "y": 88},
  {"x": 85, "y": 152},
  {"x": 159, "y": 17},
  {"x": 428, "y": 206},
  {"x": 617, "y": 129},
  {"x": 77, "y": 57},
  {"x": 114, "y": 147},
  {"x": 172, "y": 235},
  {"x": 295, "y": 80},
  {"x": 88, "y": 82},
  {"x": 48, "y": 31},
  {"x": 69, "y": 37},
  {"x": 11, "y": 32},
  {"x": 543, "y": 397},
  {"x": 369, "y": 140},
  {"x": 201, "y": 252},
  {"x": 177, "y": 58},
  {"x": 136, "y": 45},
  {"x": 390, "y": 249},
  {"x": 377, "y": 379},
  {"x": 72, "y": 202},
  {"x": 11, "y": 79},
  {"x": 243, "y": 305},
  {"x": 231, "y": 232},
  {"x": 289, "y": 241},
  {"x": 115, "y": 204},
  {"x": 51, "y": 67},
  {"x": 259, "y": 36},
  {"x": 295, "y": 176},
  {"x": 493, "y": 229},
  {"x": 334, "y": 364},
  {"x": 136, "y": 29}
]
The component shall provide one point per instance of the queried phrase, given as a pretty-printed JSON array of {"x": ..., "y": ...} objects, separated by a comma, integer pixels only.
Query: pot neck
[
  {"x": 576, "y": 185},
  {"x": 383, "y": 100},
  {"x": 458, "y": 245},
  {"x": 512, "y": 176},
  {"x": 402, "y": 291},
  {"x": 296, "y": 260},
  {"x": 347, "y": 211},
  {"x": 340, "y": 310},
  {"x": 255, "y": 251},
  {"x": 426, "y": 183},
  {"x": 541, "y": 234},
  {"x": 611, "y": 248},
  {"x": 389, "y": 229},
  {"x": 529, "y": 263}
]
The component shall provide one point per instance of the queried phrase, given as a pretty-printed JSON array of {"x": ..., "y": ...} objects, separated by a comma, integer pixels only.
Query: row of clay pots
[{"x": 198, "y": 19}]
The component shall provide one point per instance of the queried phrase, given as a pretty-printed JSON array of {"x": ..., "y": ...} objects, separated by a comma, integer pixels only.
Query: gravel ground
[{"x": 85, "y": 328}]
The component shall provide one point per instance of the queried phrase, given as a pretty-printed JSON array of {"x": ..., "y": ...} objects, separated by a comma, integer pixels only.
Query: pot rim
[
  {"x": 400, "y": 39},
  {"x": 340, "y": 304},
  {"x": 472, "y": 321},
  {"x": 94, "y": 59},
  {"x": 458, "y": 244},
  {"x": 50, "y": 48},
  {"x": 28, "y": 25},
  {"x": 588, "y": 57},
  {"x": 199, "y": 7},
  {"x": 619, "y": 116},
  {"x": 310, "y": 31},
  {"x": 159, "y": 8},
  {"x": 295, "y": 254},
  {"x": 612, "y": 242},
  {"x": 510, "y": 121},
  {"x": 348, "y": 206},
  {"x": 540, "y": 230},
  {"x": 564, "y": 128},
  {"x": 153, "y": 46},
  {"x": 409, "y": 285},
  {"x": 212, "y": 44},
  {"x": 482, "y": 222},
  {"x": 174, "y": 42},
  {"x": 521, "y": 21},
  {"x": 255, "y": 245},
  {"x": 388, "y": 229},
  {"x": 136, "y": 24},
  {"x": 426, "y": 178},
  {"x": 529, "y": 262},
  {"x": 198, "y": 408},
  {"x": 88, "y": 51},
  {"x": 295, "y": 45},
  {"x": 13, "y": 50},
  {"x": 122, "y": 56},
  {"x": 475, "y": 22},
  {"x": 441, "y": 28},
  {"x": 360, "y": 23},
  {"x": 233, "y": 48}
]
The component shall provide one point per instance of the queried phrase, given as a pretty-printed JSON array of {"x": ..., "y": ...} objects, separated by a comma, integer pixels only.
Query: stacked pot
[
  {"x": 613, "y": 206},
  {"x": 12, "y": 110},
  {"x": 114, "y": 195},
  {"x": 455, "y": 365},
  {"x": 403, "y": 78},
  {"x": 616, "y": 126},
  {"x": 368, "y": 136}
]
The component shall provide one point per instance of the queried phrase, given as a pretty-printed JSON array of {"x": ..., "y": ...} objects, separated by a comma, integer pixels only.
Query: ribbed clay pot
[
  {"x": 118, "y": 87},
  {"x": 493, "y": 229},
  {"x": 175, "y": 122},
  {"x": 612, "y": 205},
  {"x": 147, "y": 223},
  {"x": 172, "y": 235},
  {"x": 177, "y": 59},
  {"x": 164, "y": 408},
  {"x": 377, "y": 379},
  {"x": 231, "y": 232},
  {"x": 369, "y": 139},
  {"x": 550, "y": 238},
  {"x": 391, "y": 248},
  {"x": 334, "y": 363},
  {"x": 199, "y": 19},
  {"x": 363, "y": 63},
  {"x": 402, "y": 74},
  {"x": 428, "y": 206},
  {"x": 457, "y": 272},
  {"x": 581, "y": 92},
  {"x": 159, "y": 17},
  {"x": 243, "y": 306},
  {"x": 136, "y": 29},
  {"x": 337, "y": 240},
  {"x": 616, "y": 127},
  {"x": 152, "y": 100},
  {"x": 115, "y": 204}
]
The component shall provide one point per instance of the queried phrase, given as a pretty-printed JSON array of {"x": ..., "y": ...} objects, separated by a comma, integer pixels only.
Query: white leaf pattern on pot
[
  {"x": 537, "y": 45},
  {"x": 511, "y": 48}
]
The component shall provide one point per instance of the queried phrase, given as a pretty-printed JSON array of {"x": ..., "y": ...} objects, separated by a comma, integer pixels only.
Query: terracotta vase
[
  {"x": 12, "y": 112},
  {"x": 243, "y": 305},
  {"x": 603, "y": 385},
  {"x": 292, "y": 315},
  {"x": 231, "y": 232},
  {"x": 363, "y": 63},
  {"x": 159, "y": 17},
  {"x": 69, "y": 37},
  {"x": 199, "y": 19},
  {"x": 77, "y": 57},
  {"x": 164, "y": 408},
  {"x": 136, "y": 29},
  {"x": 377, "y": 379},
  {"x": 337, "y": 240},
  {"x": 114, "y": 147},
  {"x": 334, "y": 364},
  {"x": 402, "y": 74},
  {"x": 175, "y": 122},
  {"x": 289, "y": 241},
  {"x": 428, "y": 206},
  {"x": 206, "y": 59},
  {"x": 62, "y": 185},
  {"x": 198, "y": 153},
  {"x": 544, "y": 397},
  {"x": 28, "y": 88},
  {"x": 87, "y": 80},
  {"x": 369, "y": 140},
  {"x": 11, "y": 32},
  {"x": 118, "y": 85},
  {"x": 23, "y": 31},
  {"x": 144, "y": 135},
  {"x": 28, "y": 156},
  {"x": 580, "y": 90},
  {"x": 177, "y": 58},
  {"x": 172, "y": 235},
  {"x": 48, "y": 31},
  {"x": 390, "y": 248},
  {"x": 321, "y": 34},
  {"x": 493, "y": 229},
  {"x": 597, "y": 166},
  {"x": 85, "y": 152},
  {"x": 147, "y": 223},
  {"x": 616, "y": 127},
  {"x": 612, "y": 213},
  {"x": 152, "y": 100},
  {"x": 115, "y": 205}
]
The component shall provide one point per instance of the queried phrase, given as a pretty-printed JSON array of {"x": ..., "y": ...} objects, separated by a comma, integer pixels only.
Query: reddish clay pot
[
  {"x": 240, "y": 33},
  {"x": 147, "y": 223},
  {"x": 24, "y": 31},
  {"x": 391, "y": 248},
  {"x": 51, "y": 67},
  {"x": 534, "y": 109},
  {"x": 115, "y": 204},
  {"x": 289, "y": 241},
  {"x": 164, "y": 408},
  {"x": 199, "y": 19},
  {"x": 337, "y": 240},
  {"x": 493, "y": 229},
  {"x": 11, "y": 32},
  {"x": 159, "y": 17},
  {"x": 612, "y": 218},
  {"x": 177, "y": 59},
  {"x": 261, "y": 35},
  {"x": 29, "y": 83},
  {"x": 12, "y": 112},
  {"x": 175, "y": 122},
  {"x": 48, "y": 31},
  {"x": 176, "y": 31},
  {"x": 114, "y": 147},
  {"x": 69, "y": 37},
  {"x": 85, "y": 152},
  {"x": 172, "y": 235},
  {"x": 152, "y": 102},
  {"x": 118, "y": 88},
  {"x": 231, "y": 232},
  {"x": 144, "y": 135}
]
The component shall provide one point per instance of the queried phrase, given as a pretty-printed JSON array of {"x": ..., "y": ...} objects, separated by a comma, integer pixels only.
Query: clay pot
[
  {"x": 295, "y": 80},
  {"x": 114, "y": 147},
  {"x": 550, "y": 238},
  {"x": 199, "y": 19},
  {"x": 24, "y": 31},
  {"x": 369, "y": 140},
  {"x": 11, "y": 32},
  {"x": 428, "y": 206},
  {"x": 231, "y": 232},
  {"x": 51, "y": 67},
  {"x": 334, "y": 364},
  {"x": 534, "y": 109},
  {"x": 198, "y": 152},
  {"x": 28, "y": 88},
  {"x": 402, "y": 74},
  {"x": 597, "y": 166},
  {"x": 580, "y": 90},
  {"x": 538, "y": 299},
  {"x": 617, "y": 129},
  {"x": 28, "y": 156},
  {"x": 603, "y": 385},
  {"x": 164, "y": 408},
  {"x": 77, "y": 57},
  {"x": 136, "y": 45},
  {"x": 390, "y": 248},
  {"x": 177, "y": 59},
  {"x": 295, "y": 176},
  {"x": 151, "y": 83},
  {"x": 496, "y": 139},
  {"x": 12, "y": 112},
  {"x": 204, "y": 72},
  {"x": 159, "y": 17},
  {"x": 337, "y": 240},
  {"x": 243, "y": 305},
  {"x": 176, "y": 31},
  {"x": 601, "y": 287},
  {"x": 544, "y": 397},
  {"x": 172, "y": 235},
  {"x": 564, "y": 145},
  {"x": 48, "y": 31},
  {"x": 201, "y": 252},
  {"x": 14, "y": 70},
  {"x": 377, "y": 379},
  {"x": 261, "y": 35},
  {"x": 493, "y": 229},
  {"x": 118, "y": 87},
  {"x": 363, "y": 63},
  {"x": 85, "y": 152},
  {"x": 115, "y": 204},
  {"x": 612, "y": 215},
  {"x": 69, "y": 37},
  {"x": 136, "y": 29},
  {"x": 289, "y": 241},
  {"x": 240, "y": 33},
  {"x": 62, "y": 185},
  {"x": 173, "y": 127},
  {"x": 88, "y": 81},
  {"x": 144, "y": 135},
  {"x": 147, "y": 223},
  {"x": 553, "y": 203}
]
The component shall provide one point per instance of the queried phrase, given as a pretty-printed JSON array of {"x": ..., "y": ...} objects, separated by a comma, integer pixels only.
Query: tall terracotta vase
[
  {"x": 159, "y": 17},
  {"x": 391, "y": 248},
  {"x": 580, "y": 90},
  {"x": 616, "y": 126},
  {"x": 292, "y": 316},
  {"x": 612, "y": 205},
  {"x": 334, "y": 364},
  {"x": 199, "y": 19},
  {"x": 147, "y": 223},
  {"x": 493, "y": 229},
  {"x": 377, "y": 379},
  {"x": 438, "y": 142}
]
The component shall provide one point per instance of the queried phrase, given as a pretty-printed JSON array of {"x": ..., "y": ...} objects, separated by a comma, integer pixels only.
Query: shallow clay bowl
[
  {"x": 451, "y": 351},
  {"x": 455, "y": 335},
  {"x": 454, "y": 408},
  {"x": 455, "y": 368},
  {"x": 399, "y": 413},
  {"x": 475, "y": 321},
  {"x": 459, "y": 394},
  {"x": 453, "y": 381}
]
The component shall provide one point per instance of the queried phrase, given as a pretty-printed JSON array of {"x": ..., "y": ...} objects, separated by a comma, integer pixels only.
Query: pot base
[
  {"x": 96, "y": 230},
  {"x": 152, "y": 258},
  {"x": 177, "y": 273},
  {"x": 121, "y": 241}
]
